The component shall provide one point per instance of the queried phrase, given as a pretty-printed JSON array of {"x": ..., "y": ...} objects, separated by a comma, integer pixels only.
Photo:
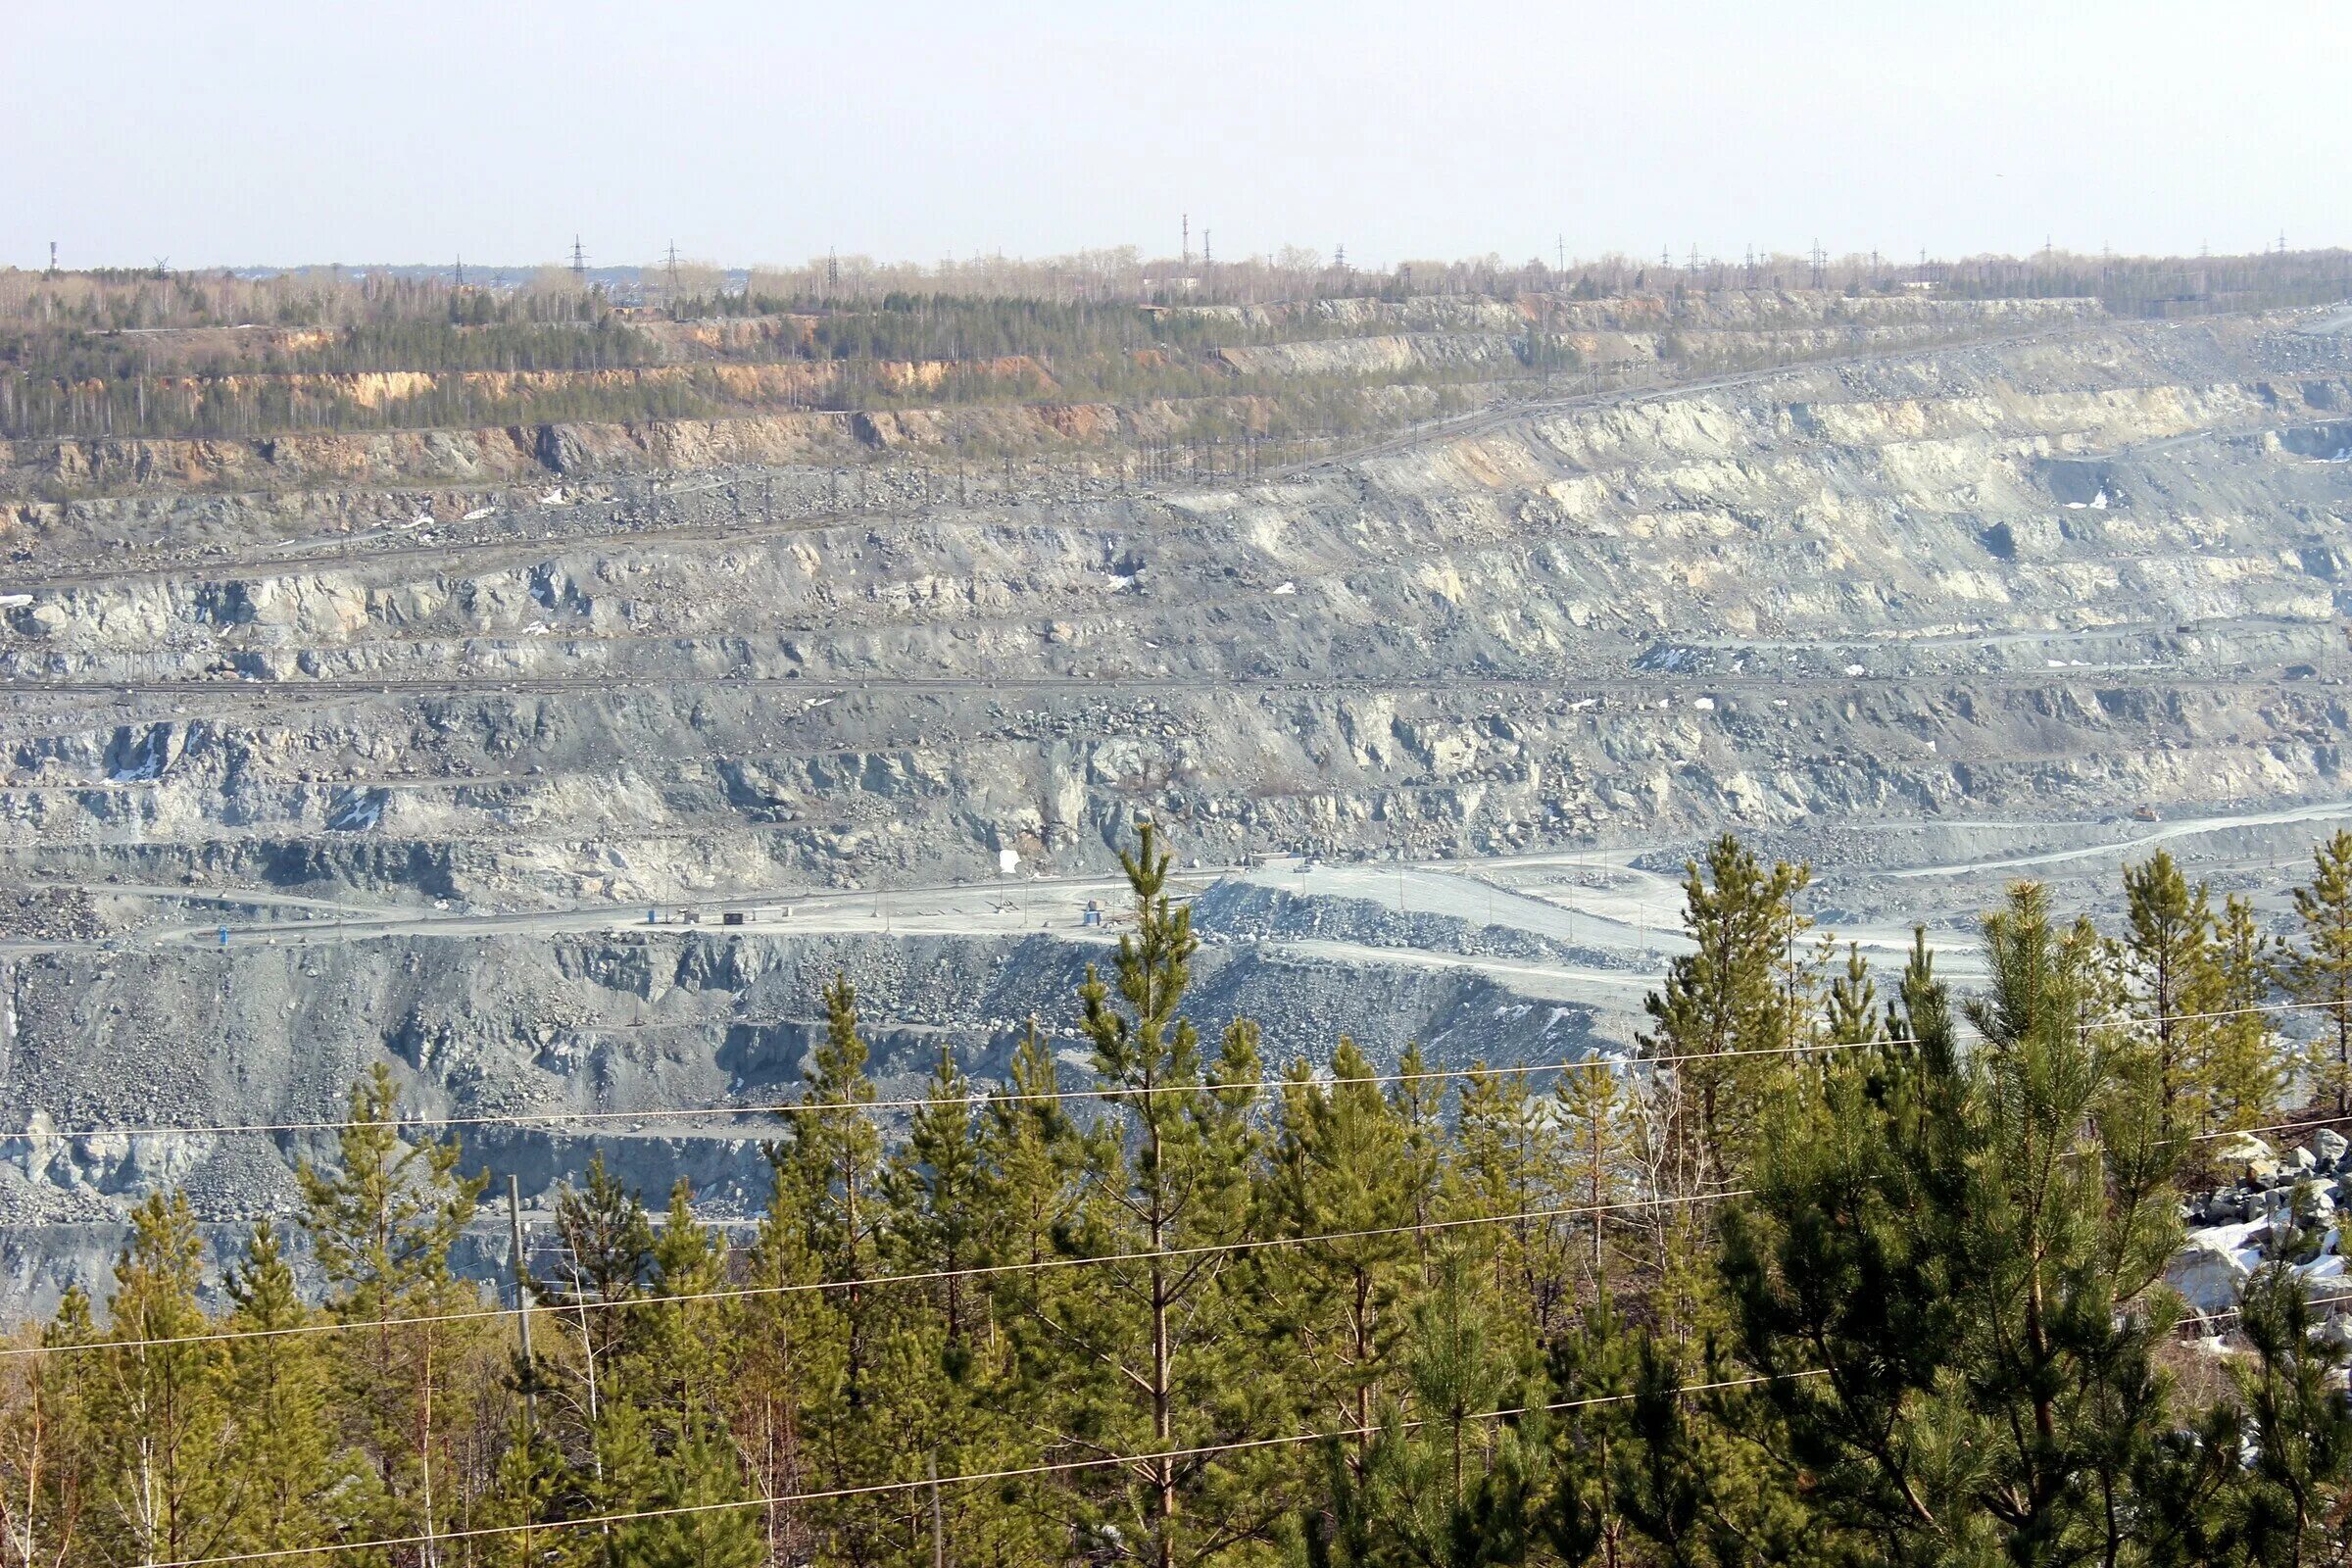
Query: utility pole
[
  {"x": 522, "y": 1302},
  {"x": 939, "y": 1538}
]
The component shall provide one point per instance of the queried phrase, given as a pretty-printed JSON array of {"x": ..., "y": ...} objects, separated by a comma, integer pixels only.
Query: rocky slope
[
  {"x": 2070, "y": 575},
  {"x": 2071, "y": 568}
]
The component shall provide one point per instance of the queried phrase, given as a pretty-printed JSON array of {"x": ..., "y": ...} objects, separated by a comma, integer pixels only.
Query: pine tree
[
  {"x": 1967, "y": 1249},
  {"x": 1596, "y": 1111},
  {"x": 683, "y": 1352},
  {"x": 2298, "y": 1426},
  {"x": 382, "y": 1223},
  {"x": 279, "y": 1382},
  {"x": 1729, "y": 1004},
  {"x": 831, "y": 1158},
  {"x": 1030, "y": 1159},
  {"x": 1802, "y": 960},
  {"x": 949, "y": 1388},
  {"x": 1853, "y": 1017},
  {"x": 934, "y": 1187},
  {"x": 159, "y": 1426},
  {"x": 1507, "y": 1160},
  {"x": 814, "y": 1370},
  {"x": 1031, "y": 1162},
  {"x": 2320, "y": 971},
  {"x": 604, "y": 1261},
  {"x": 1167, "y": 1184},
  {"x": 1658, "y": 1482},
  {"x": 2168, "y": 947},
  {"x": 524, "y": 1504},
  {"x": 1453, "y": 1483},
  {"x": 1921, "y": 1011},
  {"x": 701, "y": 1473},
  {"x": 1846, "y": 1255},
  {"x": 2250, "y": 1073},
  {"x": 1338, "y": 1169},
  {"x": 1418, "y": 1100},
  {"x": 1595, "y": 1365}
]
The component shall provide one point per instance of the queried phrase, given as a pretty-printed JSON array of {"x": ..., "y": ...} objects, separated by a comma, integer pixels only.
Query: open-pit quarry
[{"x": 559, "y": 765}]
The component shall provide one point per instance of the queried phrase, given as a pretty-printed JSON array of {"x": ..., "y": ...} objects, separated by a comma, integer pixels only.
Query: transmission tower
[
  {"x": 1187, "y": 239},
  {"x": 1209, "y": 256},
  {"x": 579, "y": 261},
  {"x": 1821, "y": 264},
  {"x": 673, "y": 273}
]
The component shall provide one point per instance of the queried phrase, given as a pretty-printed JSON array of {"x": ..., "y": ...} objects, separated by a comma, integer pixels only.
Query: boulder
[
  {"x": 2226, "y": 1207},
  {"x": 2208, "y": 1275},
  {"x": 2331, "y": 1146},
  {"x": 2248, "y": 1155}
]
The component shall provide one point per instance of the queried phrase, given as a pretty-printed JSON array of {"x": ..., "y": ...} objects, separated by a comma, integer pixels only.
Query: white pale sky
[{"x": 281, "y": 131}]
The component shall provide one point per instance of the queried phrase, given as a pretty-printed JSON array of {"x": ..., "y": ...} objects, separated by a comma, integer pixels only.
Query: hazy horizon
[{"x": 749, "y": 135}]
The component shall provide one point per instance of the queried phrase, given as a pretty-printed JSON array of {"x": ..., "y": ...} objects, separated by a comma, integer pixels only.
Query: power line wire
[
  {"x": 794, "y": 1107},
  {"x": 1026, "y": 1472},
  {"x": 977, "y": 1271},
  {"x": 872, "y": 1282},
  {"x": 1252, "y": 1244},
  {"x": 1039, "y": 1096}
]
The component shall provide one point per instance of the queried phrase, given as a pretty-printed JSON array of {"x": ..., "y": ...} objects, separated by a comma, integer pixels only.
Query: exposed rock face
[
  {"x": 563, "y": 1031},
  {"x": 1991, "y": 575},
  {"x": 564, "y": 674}
]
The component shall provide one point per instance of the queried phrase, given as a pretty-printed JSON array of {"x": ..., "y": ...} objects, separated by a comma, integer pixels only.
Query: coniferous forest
[{"x": 1849, "y": 1267}]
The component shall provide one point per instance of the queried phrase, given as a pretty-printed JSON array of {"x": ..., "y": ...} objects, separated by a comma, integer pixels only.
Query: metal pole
[
  {"x": 939, "y": 1538},
  {"x": 522, "y": 1305}
]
